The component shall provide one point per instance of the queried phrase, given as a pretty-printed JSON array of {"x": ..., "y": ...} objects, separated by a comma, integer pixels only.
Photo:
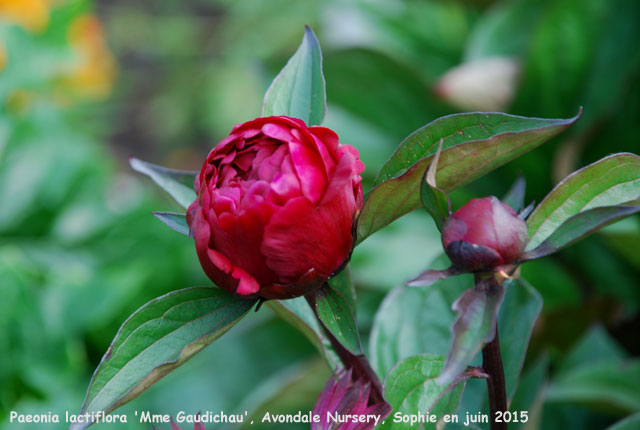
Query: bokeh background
[{"x": 85, "y": 84}]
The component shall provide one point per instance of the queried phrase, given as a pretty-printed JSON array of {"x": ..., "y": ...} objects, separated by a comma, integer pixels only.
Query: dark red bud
[
  {"x": 484, "y": 234},
  {"x": 276, "y": 204},
  {"x": 348, "y": 396}
]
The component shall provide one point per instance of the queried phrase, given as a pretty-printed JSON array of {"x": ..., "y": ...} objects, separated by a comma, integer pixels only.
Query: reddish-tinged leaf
[
  {"x": 430, "y": 276},
  {"x": 474, "y": 327},
  {"x": 473, "y": 145}
]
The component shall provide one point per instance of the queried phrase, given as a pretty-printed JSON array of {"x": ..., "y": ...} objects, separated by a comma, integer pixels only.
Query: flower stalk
[
  {"x": 492, "y": 364},
  {"x": 359, "y": 365}
]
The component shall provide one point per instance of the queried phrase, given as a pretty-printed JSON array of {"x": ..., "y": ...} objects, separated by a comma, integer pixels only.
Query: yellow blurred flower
[
  {"x": 94, "y": 73},
  {"x": 33, "y": 15}
]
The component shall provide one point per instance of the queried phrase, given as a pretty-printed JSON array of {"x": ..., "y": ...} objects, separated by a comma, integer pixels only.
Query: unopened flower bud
[
  {"x": 275, "y": 208},
  {"x": 351, "y": 398},
  {"x": 484, "y": 234}
]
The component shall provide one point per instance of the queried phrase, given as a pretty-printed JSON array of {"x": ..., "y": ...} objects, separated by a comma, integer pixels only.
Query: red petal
[
  {"x": 239, "y": 236},
  {"x": 201, "y": 234},
  {"x": 277, "y": 131},
  {"x": 310, "y": 170},
  {"x": 301, "y": 236},
  {"x": 220, "y": 261},
  {"x": 478, "y": 217},
  {"x": 454, "y": 229},
  {"x": 247, "y": 285},
  {"x": 328, "y": 137}
]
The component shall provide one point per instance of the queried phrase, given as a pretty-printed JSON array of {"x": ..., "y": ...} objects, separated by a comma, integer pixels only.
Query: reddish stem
[
  {"x": 358, "y": 364},
  {"x": 492, "y": 365}
]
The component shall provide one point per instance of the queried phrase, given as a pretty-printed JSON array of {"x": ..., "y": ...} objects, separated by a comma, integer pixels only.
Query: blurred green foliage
[{"x": 79, "y": 249}]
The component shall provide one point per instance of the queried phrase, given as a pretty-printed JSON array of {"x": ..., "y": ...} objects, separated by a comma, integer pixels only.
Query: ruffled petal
[
  {"x": 268, "y": 161},
  {"x": 276, "y": 203},
  {"x": 240, "y": 236},
  {"x": 345, "y": 180},
  {"x": 329, "y": 140},
  {"x": 277, "y": 131},
  {"x": 285, "y": 184},
  {"x": 310, "y": 170}
]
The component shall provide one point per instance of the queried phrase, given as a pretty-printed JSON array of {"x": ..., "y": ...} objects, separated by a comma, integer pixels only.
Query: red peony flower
[
  {"x": 275, "y": 208},
  {"x": 483, "y": 234}
]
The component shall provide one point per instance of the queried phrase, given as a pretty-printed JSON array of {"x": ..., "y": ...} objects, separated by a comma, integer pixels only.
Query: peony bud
[
  {"x": 344, "y": 396},
  {"x": 275, "y": 208},
  {"x": 483, "y": 234}
]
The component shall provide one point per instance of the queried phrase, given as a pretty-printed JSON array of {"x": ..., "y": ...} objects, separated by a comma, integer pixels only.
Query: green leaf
[
  {"x": 631, "y": 422},
  {"x": 578, "y": 227},
  {"x": 519, "y": 311},
  {"x": 411, "y": 389},
  {"x": 413, "y": 321},
  {"x": 175, "y": 221},
  {"x": 614, "y": 386},
  {"x": 299, "y": 89},
  {"x": 178, "y": 183},
  {"x": 433, "y": 198},
  {"x": 474, "y": 327},
  {"x": 515, "y": 196},
  {"x": 402, "y": 327},
  {"x": 473, "y": 145},
  {"x": 336, "y": 314},
  {"x": 343, "y": 283},
  {"x": 156, "y": 339},
  {"x": 611, "y": 181}
]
